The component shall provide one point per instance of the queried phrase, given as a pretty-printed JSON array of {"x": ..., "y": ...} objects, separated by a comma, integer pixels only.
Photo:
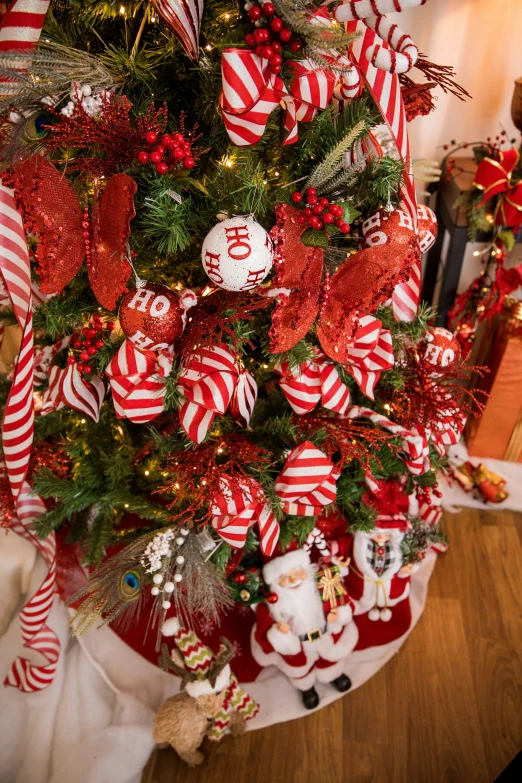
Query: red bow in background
[
  {"x": 494, "y": 178},
  {"x": 51, "y": 210}
]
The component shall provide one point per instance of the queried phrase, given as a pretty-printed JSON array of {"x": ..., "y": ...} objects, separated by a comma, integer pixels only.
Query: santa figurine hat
[
  {"x": 390, "y": 500},
  {"x": 197, "y": 658},
  {"x": 282, "y": 564}
]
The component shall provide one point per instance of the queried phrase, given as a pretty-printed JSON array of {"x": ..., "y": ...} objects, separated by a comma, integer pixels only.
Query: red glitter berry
[
  {"x": 268, "y": 52},
  {"x": 155, "y": 157},
  {"x": 92, "y": 350},
  {"x": 178, "y": 153},
  {"x": 317, "y": 210},
  {"x": 328, "y": 217},
  {"x": 285, "y": 34},
  {"x": 254, "y": 13},
  {"x": 166, "y": 139},
  {"x": 311, "y": 192},
  {"x": 276, "y": 59},
  {"x": 295, "y": 46},
  {"x": 90, "y": 333},
  {"x": 249, "y": 39},
  {"x": 162, "y": 167},
  {"x": 311, "y": 200},
  {"x": 302, "y": 219},
  {"x": 259, "y": 49},
  {"x": 143, "y": 157},
  {"x": 297, "y": 197},
  {"x": 344, "y": 229},
  {"x": 151, "y": 137},
  {"x": 99, "y": 344},
  {"x": 308, "y": 211},
  {"x": 188, "y": 163},
  {"x": 276, "y": 46},
  {"x": 71, "y": 360},
  {"x": 77, "y": 344},
  {"x": 275, "y": 68},
  {"x": 84, "y": 356},
  {"x": 178, "y": 139},
  {"x": 276, "y": 24},
  {"x": 268, "y": 9}
]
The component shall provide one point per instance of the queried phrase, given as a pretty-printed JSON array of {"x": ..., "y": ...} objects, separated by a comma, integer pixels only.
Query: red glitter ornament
[
  {"x": 427, "y": 227},
  {"x": 152, "y": 316},
  {"x": 240, "y": 578},
  {"x": 440, "y": 349},
  {"x": 385, "y": 227}
]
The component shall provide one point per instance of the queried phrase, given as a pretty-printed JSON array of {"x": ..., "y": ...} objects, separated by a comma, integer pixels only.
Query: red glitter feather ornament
[
  {"x": 360, "y": 285},
  {"x": 51, "y": 211}
]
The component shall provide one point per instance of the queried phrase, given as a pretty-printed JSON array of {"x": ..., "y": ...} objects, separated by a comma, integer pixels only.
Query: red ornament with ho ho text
[
  {"x": 440, "y": 349},
  {"x": 237, "y": 254},
  {"x": 152, "y": 315}
]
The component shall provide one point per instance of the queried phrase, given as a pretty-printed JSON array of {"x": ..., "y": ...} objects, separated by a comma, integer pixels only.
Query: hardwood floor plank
[{"x": 446, "y": 709}]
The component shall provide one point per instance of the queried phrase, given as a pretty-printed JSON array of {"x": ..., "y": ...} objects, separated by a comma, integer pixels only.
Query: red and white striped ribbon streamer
[
  {"x": 244, "y": 398},
  {"x": 137, "y": 380},
  {"x": 371, "y": 354},
  {"x": 385, "y": 89},
  {"x": 251, "y": 92},
  {"x": 20, "y": 29},
  {"x": 239, "y": 506},
  {"x": 18, "y": 420},
  {"x": 207, "y": 382},
  {"x": 414, "y": 444},
  {"x": 36, "y": 634},
  {"x": 307, "y": 481}
]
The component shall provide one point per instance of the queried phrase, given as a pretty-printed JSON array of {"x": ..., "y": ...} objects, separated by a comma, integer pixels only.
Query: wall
[{"x": 482, "y": 40}]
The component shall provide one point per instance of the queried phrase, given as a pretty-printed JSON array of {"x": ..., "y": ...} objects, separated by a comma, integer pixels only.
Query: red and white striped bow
[
  {"x": 36, "y": 634},
  {"x": 306, "y": 484},
  {"x": 307, "y": 481},
  {"x": 68, "y": 387},
  {"x": 414, "y": 444},
  {"x": 207, "y": 382},
  {"x": 137, "y": 382},
  {"x": 318, "y": 379},
  {"x": 446, "y": 431},
  {"x": 251, "y": 92},
  {"x": 237, "y": 507}
]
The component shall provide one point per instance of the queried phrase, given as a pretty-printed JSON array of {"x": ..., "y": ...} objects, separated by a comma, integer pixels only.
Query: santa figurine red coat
[{"x": 308, "y": 639}]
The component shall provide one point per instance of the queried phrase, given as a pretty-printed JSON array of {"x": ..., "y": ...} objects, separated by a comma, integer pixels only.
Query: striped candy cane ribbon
[
  {"x": 317, "y": 380},
  {"x": 207, "y": 382},
  {"x": 20, "y": 29},
  {"x": 137, "y": 380},
  {"x": 414, "y": 444},
  {"x": 18, "y": 420},
  {"x": 251, "y": 92},
  {"x": 36, "y": 634},
  {"x": 385, "y": 89},
  {"x": 306, "y": 484}
]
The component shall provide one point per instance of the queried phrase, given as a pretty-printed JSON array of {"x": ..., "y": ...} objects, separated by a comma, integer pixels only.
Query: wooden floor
[{"x": 448, "y": 707}]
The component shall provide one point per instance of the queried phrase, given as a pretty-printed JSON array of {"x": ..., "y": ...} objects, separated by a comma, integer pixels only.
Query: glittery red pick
[
  {"x": 109, "y": 270},
  {"x": 300, "y": 269},
  {"x": 359, "y": 286},
  {"x": 51, "y": 211}
]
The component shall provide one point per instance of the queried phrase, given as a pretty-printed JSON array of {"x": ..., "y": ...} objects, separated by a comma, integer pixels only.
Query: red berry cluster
[
  {"x": 86, "y": 343},
  {"x": 263, "y": 39},
  {"x": 319, "y": 213},
  {"x": 423, "y": 494},
  {"x": 173, "y": 153}
]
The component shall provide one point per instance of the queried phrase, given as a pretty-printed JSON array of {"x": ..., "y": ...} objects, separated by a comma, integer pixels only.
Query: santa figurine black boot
[
  {"x": 310, "y": 698},
  {"x": 342, "y": 683}
]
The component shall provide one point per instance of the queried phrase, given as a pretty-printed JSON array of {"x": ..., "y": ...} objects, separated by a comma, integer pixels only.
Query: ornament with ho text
[
  {"x": 440, "y": 349},
  {"x": 237, "y": 254},
  {"x": 153, "y": 316},
  {"x": 384, "y": 227},
  {"x": 427, "y": 227}
]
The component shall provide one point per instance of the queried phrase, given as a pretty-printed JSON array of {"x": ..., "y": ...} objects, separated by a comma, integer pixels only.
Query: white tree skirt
[{"x": 93, "y": 724}]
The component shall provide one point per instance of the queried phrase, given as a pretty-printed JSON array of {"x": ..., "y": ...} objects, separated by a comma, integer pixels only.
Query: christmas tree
[{"x": 210, "y": 233}]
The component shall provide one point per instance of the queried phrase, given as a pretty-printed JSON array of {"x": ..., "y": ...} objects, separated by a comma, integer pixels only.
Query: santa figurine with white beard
[{"x": 306, "y": 637}]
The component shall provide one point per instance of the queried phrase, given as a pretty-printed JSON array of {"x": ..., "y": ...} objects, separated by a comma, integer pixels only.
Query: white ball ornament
[
  {"x": 180, "y": 541},
  {"x": 157, "y": 579},
  {"x": 168, "y": 587},
  {"x": 177, "y": 577},
  {"x": 237, "y": 253},
  {"x": 180, "y": 560},
  {"x": 154, "y": 590},
  {"x": 166, "y": 604}
]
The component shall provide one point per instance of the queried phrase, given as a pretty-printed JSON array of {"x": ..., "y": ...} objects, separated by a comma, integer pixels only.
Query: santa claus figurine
[
  {"x": 377, "y": 579},
  {"x": 306, "y": 628}
]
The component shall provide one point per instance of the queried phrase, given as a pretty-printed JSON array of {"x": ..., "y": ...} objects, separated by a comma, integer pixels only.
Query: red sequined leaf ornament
[
  {"x": 109, "y": 269},
  {"x": 300, "y": 270},
  {"x": 51, "y": 212},
  {"x": 361, "y": 284}
]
